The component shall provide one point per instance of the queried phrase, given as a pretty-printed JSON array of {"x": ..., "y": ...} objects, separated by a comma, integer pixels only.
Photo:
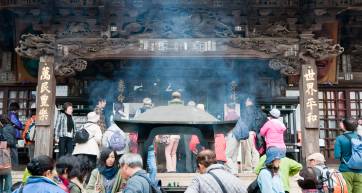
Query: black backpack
[
  {"x": 254, "y": 186},
  {"x": 82, "y": 135}
]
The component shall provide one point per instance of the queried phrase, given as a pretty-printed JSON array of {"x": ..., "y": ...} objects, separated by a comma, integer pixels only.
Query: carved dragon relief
[
  {"x": 288, "y": 54},
  {"x": 70, "y": 54}
]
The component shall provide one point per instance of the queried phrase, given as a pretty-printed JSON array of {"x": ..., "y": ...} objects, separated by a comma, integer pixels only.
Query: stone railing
[{"x": 336, "y": 3}]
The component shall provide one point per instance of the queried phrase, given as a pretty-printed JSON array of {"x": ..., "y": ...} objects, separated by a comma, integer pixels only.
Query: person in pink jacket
[{"x": 273, "y": 131}]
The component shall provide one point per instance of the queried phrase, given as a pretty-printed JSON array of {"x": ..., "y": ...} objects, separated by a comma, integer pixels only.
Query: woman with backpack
[
  {"x": 89, "y": 148},
  {"x": 269, "y": 180},
  {"x": 40, "y": 181},
  {"x": 106, "y": 178},
  {"x": 343, "y": 152},
  {"x": 7, "y": 142}
]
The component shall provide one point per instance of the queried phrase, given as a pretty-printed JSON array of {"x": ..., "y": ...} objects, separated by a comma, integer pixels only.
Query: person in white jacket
[
  {"x": 108, "y": 134},
  {"x": 91, "y": 148}
]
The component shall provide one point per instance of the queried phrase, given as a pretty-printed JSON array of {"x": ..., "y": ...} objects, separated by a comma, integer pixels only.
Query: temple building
[{"x": 300, "y": 56}]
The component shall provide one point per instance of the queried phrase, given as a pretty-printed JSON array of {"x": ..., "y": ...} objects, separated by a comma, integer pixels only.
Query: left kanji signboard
[{"x": 45, "y": 91}]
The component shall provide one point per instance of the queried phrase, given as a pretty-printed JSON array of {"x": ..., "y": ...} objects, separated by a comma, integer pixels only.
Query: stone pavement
[{"x": 184, "y": 179}]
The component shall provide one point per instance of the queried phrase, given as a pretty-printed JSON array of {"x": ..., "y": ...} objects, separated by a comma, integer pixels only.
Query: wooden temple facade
[{"x": 314, "y": 46}]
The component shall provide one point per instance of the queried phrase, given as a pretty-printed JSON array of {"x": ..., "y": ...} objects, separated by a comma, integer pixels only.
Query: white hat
[
  {"x": 275, "y": 113},
  {"x": 92, "y": 117},
  {"x": 316, "y": 156},
  {"x": 147, "y": 102}
]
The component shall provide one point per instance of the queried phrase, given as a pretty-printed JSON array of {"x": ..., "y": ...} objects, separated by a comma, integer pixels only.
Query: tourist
[
  {"x": 273, "y": 131},
  {"x": 9, "y": 133},
  {"x": 138, "y": 180},
  {"x": 214, "y": 177},
  {"x": 288, "y": 168},
  {"x": 359, "y": 128},
  {"x": 77, "y": 176},
  {"x": 7, "y": 138},
  {"x": 29, "y": 133},
  {"x": 99, "y": 110},
  {"x": 65, "y": 130},
  {"x": 90, "y": 149},
  {"x": 171, "y": 146},
  {"x": 65, "y": 167},
  {"x": 309, "y": 181},
  {"x": 269, "y": 179},
  {"x": 255, "y": 118},
  {"x": 151, "y": 156},
  {"x": 115, "y": 139},
  {"x": 106, "y": 177},
  {"x": 41, "y": 170},
  {"x": 14, "y": 119},
  {"x": 343, "y": 153}
]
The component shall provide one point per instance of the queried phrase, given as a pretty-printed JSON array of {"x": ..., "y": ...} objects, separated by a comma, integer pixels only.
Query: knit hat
[
  {"x": 93, "y": 117},
  {"x": 275, "y": 113},
  {"x": 316, "y": 156},
  {"x": 272, "y": 154}
]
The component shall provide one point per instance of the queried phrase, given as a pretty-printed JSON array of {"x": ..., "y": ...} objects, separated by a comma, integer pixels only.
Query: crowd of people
[{"x": 97, "y": 158}]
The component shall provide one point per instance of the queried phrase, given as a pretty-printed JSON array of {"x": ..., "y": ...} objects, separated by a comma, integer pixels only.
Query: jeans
[
  {"x": 66, "y": 146},
  {"x": 151, "y": 165},
  {"x": 5, "y": 183}
]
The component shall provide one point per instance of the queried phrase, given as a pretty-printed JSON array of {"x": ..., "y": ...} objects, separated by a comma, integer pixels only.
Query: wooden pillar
[
  {"x": 308, "y": 86},
  {"x": 45, "y": 104}
]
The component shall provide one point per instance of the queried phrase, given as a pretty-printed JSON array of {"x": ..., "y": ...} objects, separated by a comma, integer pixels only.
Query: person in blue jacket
[
  {"x": 343, "y": 152},
  {"x": 13, "y": 116},
  {"x": 269, "y": 179},
  {"x": 40, "y": 181}
]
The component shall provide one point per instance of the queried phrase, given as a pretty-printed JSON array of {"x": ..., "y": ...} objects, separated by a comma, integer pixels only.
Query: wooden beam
[{"x": 45, "y": 107}]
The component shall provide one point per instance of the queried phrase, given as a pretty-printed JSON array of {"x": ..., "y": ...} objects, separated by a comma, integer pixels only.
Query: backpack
[
  {"x": 154, "y": 188},
  {"x": 117, "y": 141},
  {"x": 355, "y": 162},
  {"x": 260, "y": 144},
  {"x": 5, "y": 158},
  {"x": 82, "y": 135},
  {"x": 254, "y": 186},
  {"x": 331, "y": 180},
  {"x": 30, "y": 133}
]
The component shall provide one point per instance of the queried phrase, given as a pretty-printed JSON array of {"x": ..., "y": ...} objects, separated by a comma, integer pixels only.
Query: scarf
[
  {"x": 70, "y": 123},
  {"x": 108, "y": 172}
]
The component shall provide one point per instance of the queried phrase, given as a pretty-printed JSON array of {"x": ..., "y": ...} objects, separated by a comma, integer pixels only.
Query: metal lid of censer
[{"x": 176, "y": 114}]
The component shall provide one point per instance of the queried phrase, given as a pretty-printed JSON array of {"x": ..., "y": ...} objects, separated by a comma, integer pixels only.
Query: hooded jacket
[
  {"x": 273, "y": 131},
  {"x": 206, "y": 183},
  {"x": 40, "y": 184}
]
